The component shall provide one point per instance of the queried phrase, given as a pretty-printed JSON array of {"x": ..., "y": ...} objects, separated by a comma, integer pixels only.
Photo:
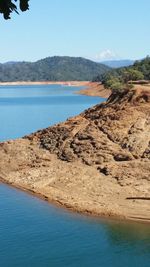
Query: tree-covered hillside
[
  {"x": 52, "y": 69},
  {"x": 120, "y": 78}
]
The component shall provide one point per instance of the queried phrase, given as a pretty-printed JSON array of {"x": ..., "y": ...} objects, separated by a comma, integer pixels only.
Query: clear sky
[{"x": 96, "y": 29}]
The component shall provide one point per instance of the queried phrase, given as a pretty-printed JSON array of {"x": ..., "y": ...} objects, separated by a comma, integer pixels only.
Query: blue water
[
  {"x": 25, "y": 109},
  {"x": 34, "y": 233}
]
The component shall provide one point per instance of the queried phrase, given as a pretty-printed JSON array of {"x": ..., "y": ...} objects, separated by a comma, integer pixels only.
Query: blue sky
[{"x": 95, "y": 29}]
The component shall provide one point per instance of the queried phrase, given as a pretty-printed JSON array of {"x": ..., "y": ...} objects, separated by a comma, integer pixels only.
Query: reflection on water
[{"x": 129, "y": 232}]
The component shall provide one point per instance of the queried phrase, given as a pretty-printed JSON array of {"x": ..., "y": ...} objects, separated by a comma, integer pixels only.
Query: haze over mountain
[
  {"x": 52, "y": 69},
  {"x": 118, "y": 63}
]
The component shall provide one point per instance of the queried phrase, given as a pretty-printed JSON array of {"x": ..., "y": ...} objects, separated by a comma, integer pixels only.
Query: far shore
[
  {"x": 91, "y": 88},
  {"x": 68, "y": 83}
]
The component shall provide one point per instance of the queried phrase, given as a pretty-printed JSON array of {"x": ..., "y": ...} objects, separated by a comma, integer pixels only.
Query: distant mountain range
[
  {"x": 52, "y": 69},
  {"x": 118, "y": 63}
]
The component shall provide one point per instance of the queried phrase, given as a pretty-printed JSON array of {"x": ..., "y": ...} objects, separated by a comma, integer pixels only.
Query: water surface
[
  {"x": 36, "y": 234},
  {"x": 25, "y": 109}
]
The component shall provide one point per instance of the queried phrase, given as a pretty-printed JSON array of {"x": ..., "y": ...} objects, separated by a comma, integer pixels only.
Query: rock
[{"x": 93, "y": 162}]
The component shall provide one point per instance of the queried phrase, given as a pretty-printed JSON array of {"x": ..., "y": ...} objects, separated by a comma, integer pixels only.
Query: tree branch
[{"x": 8, "y": 6}]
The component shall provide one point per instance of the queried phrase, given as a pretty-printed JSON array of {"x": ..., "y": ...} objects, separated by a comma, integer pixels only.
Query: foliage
[
  {"x": 132, "y": 75},
  {"x": 9, "y": 6},
  {"x": 144, "y": 67},
  {"x": 51, "y": 69},
  {"x": 123, "y": 76},
  {"x": 114, "y": 84}
]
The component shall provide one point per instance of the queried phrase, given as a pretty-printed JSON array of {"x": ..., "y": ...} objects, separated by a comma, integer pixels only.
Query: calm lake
[
  {"x": 34, "y": 233},
  {"x": 25, "y": 109}
]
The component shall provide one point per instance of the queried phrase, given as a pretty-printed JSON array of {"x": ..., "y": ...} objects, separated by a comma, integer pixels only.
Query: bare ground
[{"x": 97, "y": 162}]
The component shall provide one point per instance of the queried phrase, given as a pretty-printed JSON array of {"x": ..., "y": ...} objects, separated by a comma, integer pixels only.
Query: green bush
[
  {"x": 132, "y": 75},
  {"x": 115, "y": 84}
]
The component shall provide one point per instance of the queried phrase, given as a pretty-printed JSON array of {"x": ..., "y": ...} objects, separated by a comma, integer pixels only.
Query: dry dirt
[
  {"x": 95, "y": 89},
  {"x": 97, "y": 162}
]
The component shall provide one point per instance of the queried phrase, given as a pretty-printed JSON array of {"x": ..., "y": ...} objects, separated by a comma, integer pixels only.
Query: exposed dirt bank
[
  {"x": 95, "y": 89},
  {"x": 97, "y": 162}
]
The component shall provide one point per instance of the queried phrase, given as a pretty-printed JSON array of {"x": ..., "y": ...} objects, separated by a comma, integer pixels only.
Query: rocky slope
[{"x": 97, "y": 162}]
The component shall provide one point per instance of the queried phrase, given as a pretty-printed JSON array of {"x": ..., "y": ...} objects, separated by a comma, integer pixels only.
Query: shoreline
[
  {"x": 95, "y": 89},
  {"x": 91, "y": 88},
  {"x": 61, "y": 205},
  {"x": 68, "y": 83},
  {"x": 26, "y": 164},
  {"x": 89, "y": 92},
  {"x": 70, "y": 209}
]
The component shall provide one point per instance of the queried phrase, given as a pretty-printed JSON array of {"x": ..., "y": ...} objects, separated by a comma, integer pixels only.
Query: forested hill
[
  {"x": 118, "y": 78},
  {"x": 52, "y": 69}
]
